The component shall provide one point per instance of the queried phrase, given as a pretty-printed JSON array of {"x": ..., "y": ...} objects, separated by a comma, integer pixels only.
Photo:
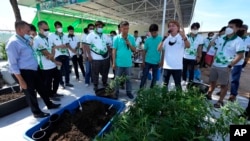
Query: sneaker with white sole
[{"x": 86, "y": 85}]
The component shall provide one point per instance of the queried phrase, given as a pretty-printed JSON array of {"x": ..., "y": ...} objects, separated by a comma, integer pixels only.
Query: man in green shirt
[
  {"x": 123, "y": 46},
  {"x": 151, "y": 56}
]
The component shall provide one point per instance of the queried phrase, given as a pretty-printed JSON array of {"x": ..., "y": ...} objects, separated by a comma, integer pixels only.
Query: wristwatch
[{"x": 229, "y": 66}]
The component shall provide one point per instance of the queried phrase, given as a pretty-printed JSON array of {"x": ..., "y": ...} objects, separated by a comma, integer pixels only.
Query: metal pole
[
  {"x": 174, "y": 13},
  {"x": 163, "y": 18}
]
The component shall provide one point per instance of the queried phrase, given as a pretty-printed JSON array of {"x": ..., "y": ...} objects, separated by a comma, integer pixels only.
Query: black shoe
[
  {"x": 54, "y": 106},
  {"x": 95, "y": 87},
  {"x": 208, "y": 97},
  {"x": 130, "y": 96},
  {"x": 41, "y": 115},
  {"x": 122, "y": 87},
  {"x": 69, "y": 85},
  {"x": 218, "y": 93},
  {"x": 57, "y": 95},
  {"x": 105, "y": 85},
  {"x": 54, "y": 98}
]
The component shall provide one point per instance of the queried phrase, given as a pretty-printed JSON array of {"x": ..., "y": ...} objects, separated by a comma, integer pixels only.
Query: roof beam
[{"x": 178, "y": 10}]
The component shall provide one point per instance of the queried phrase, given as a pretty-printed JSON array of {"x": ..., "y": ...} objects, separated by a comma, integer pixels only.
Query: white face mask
[
  {"x": 46, "y": 33},
  {"x": 27, "y": 37},
  {"x": 99, "y": 30},
  {"x": 194, "y": 31},
  {"x": 229, "y": 31},
  {"x": 59, "y": 30},
  {"x": 91, "y": 31}
]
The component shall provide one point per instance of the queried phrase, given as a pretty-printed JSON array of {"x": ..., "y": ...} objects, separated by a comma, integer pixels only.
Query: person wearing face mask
[
  {"x": 75, "y": 52},
  {"x": 192, "y": 55},
  {"x": 123, "y": 47},
  {"x": 47, "y": 63},
  {"x": 61, "y": 47},
  {"x": 151, "y": 56},
  {"x": 229, "y": 53},
  {"x": 246, "y": 40},
  {"x": 172, "y": 54},
  {"x": 99, "y": 45},
  {"x": 205, "y": 50},
  {"x": 86, "y": 51},
  {"x": 23, "y": 65}
]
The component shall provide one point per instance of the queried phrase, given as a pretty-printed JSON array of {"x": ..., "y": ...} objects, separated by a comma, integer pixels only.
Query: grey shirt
[{"x": 20, "y": 55}]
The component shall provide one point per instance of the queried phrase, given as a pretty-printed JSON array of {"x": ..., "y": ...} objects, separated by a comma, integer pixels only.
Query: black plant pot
[{"x": 13, "y": 105}]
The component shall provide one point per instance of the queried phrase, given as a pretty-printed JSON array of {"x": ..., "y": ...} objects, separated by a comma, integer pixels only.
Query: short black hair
[
  {"x": 32, "y": 28},
  {"x": 89, "y": 25},
  {"x": 86, "y": 30},
  {"x": 244, "y": 26},
  {"x": 99, "y": 23},
  {"x": 222, "y": 29},
  {"x": 209, "y": 33},
  {"x": 153, "y": 27},
  {"x": 136, "y": 31},
  {"x": 237, "y": 22},
  {"x": 124, "y": 23},
  {"x": 113, "y": 32},
  {"x": 57, "y": 23},
  {"x": 40, "y": 23},
  {"x": 197, "y": 25},
  {"x": 20, "y": 24},
  {"x": 70, "y": 28}
]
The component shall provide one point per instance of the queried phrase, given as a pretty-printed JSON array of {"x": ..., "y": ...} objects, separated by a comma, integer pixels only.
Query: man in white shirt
[
  {"x": 60, "y": 47},
  {"x": 75, "y": 52},
  {"x": 172, "y": 54},
  {"x": 46, "y": 61},
  {"x": 99, "y": 44},
  {"x": 138, "y": 39}
]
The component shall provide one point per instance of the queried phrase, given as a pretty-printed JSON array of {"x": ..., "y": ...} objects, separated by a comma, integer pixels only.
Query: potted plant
[
  {"x": 173, "y": 116},
  {"x": 109, "y": 91},
  {"x": 11, "y": 100}
]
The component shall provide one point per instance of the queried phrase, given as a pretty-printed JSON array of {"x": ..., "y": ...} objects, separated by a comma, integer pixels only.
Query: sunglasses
[{"x": 46, "y": 29}]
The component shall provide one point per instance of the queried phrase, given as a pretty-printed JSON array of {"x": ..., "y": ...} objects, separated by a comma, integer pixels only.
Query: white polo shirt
[
  {"x": 173, "y": 55},
  {"x": 73, "y": 42},
  {"x": 98, "y": 45},
  {"x": 246, "y": 40},
  {"x": 56, "y": 40},
  {"x": 138, "y": 40},
  {"x": 226, "y": 51},
  {"x": 211, "y": 50},
  {"x": 191, "y": 52},
  {"x": 41, "y": 43}
]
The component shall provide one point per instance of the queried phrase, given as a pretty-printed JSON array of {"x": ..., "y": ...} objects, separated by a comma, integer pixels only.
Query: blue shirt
[
  {"x": 123, "y": 53},
  {"x": 20, "y": 55},
  {"x": 150, "y": 46}
]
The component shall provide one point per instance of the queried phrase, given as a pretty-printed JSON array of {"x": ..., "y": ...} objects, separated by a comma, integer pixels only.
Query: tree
[{"x": 16, "y": 10}]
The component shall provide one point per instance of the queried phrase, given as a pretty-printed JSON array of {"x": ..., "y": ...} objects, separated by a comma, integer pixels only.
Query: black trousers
[
  {"x": 202, "y": 63},
  {"x": 78, "y": 61},
  {"x": 188, "y": 64},
  {"x": 64, "y": 59},
  {"x": 51, "y": 79},
  {"x": 176, "y": 75},
  {"x": 34, "y": 83},
  {"x": 100, "y": 67}
]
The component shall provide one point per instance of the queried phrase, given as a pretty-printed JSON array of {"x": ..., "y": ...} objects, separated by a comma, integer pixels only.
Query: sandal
[
  {"x": 219, "y": 104},
  {"x": 232, "y": 98}
]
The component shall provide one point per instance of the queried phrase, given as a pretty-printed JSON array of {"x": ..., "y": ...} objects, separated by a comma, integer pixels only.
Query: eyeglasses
[{"x": 46, "y": 29}]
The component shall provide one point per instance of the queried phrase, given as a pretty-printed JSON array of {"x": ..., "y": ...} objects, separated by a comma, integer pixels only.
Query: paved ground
[{"x": 13, "y": 127}]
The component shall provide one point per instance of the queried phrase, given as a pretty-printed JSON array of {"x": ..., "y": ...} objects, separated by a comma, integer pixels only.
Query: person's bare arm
[
  {"x": 114, "y": 57},
  {"x": 199, "y": 53},
  {"x": 238, "y": 57},
  {"x": 21, "y": 81}
]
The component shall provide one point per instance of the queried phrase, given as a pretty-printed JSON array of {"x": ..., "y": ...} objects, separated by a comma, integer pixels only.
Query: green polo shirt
[
  {"x": 150, "y": 46},
  {"x": 123, "y": 54}
]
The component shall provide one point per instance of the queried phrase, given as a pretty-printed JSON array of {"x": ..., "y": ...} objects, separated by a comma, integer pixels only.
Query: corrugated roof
[{"x": 134, "y": 11}]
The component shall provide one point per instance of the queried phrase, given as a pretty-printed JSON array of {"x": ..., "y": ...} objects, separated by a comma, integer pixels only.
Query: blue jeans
[
  {"x": 88, "y": 72},
  {"x": 126, "y": 71},
  {"x": 146, "y": 69},
  {"x": 64, "y": 68},
  {"x": 235, "y": 79}
]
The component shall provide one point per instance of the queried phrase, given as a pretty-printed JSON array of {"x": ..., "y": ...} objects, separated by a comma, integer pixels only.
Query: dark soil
[
  {"x": 83, "y": 125},
  {"x": 9, "y": 96}
]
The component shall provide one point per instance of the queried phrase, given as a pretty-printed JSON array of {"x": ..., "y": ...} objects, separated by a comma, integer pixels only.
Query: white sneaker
[
  {"x": 184, "y": 83},
  {"x": 86, "y": 85}
]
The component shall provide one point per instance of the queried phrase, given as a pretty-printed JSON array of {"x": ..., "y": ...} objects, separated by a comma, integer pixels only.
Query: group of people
[{"x": 40, "y": 61}]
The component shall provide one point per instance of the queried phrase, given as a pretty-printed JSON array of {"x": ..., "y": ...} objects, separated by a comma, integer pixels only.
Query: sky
[{"x": 211, "y": 14}]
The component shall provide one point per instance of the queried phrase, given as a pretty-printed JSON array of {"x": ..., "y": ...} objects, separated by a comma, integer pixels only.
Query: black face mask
[{"x": 240, "y": 32}]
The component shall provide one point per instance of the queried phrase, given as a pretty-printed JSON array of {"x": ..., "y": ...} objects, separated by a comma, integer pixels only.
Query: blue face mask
[
  {"x": 27, "y": 37},
  {"x": 99, "y": 30}
]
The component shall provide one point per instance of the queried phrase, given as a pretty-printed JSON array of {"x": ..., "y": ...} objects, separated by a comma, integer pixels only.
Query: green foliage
[
  {"x": 3, "y": 53},
  {"x": 158, "y": 115},
  {"x": 115, "y": 83}
]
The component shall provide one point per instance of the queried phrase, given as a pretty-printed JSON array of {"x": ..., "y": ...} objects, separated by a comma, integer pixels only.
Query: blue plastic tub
[{"x": 116, "y": 104}]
